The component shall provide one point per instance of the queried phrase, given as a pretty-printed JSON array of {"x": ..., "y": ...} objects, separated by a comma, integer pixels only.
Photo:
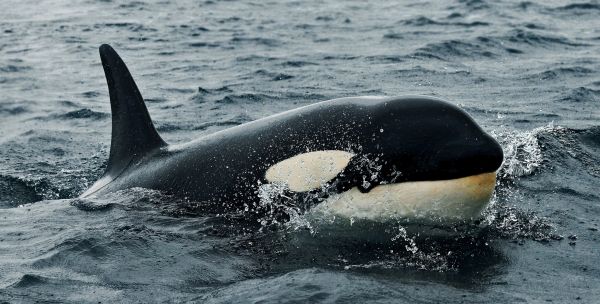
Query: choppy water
[{"x": 527, "y": 71}]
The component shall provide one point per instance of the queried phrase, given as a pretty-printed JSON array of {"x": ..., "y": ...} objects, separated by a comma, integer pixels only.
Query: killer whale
[{"x": 376, "y": 158}]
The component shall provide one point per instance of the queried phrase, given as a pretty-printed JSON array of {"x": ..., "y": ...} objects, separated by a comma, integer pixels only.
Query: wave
[
  {"x": 91, "y": 94},
  {"x": 13, "y": 109},
  {"x": 561, "y": 73},
  {"x": 20, "y": 190},
  {"x": 579, "y": 8},
  {"x": 298, "y": 63},
  {"x": 513, "y": 42},
  {"x": 254, "y": 57},
  {"x": 219, "y": 90},
  {"x": 581, "y": 94},
  {"x": 273, "y": 76},
  {"x": 204, "y": 44},
  {"x": 14, "y": 68},
  {"x": 130, "y": 26},
  {"x": 29, "y": 280},
  {"x": 530, "y": 38},
  {"x": 457, "y": 48},
  {"x": 424, "y": 21},
  {"x": 340, "y": 57},
  {"x": 245, "y": 98},
  {"x": 475, "y": 4},
  {"x": 133, "y": 4},
  {"x": 393, "y": 36},
  {"x": 165, "y": 127},
  {"x": 81, "y": 114},
  {"x": 256, "y": 40},
  {"x": 386, "y": 58},
  {"x": 16, "y": 191}
]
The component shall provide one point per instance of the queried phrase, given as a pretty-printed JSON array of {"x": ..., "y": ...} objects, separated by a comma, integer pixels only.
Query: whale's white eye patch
[{"x": 308, "y": 171}]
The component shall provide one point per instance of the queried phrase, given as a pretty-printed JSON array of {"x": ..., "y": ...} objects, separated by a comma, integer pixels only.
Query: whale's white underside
[{"x": 442, "y": 201}]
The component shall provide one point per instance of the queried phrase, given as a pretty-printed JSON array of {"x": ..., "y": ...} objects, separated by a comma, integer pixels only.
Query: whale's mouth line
[
  {"x": 451, "y": 200},
  {"x": 474, "y": 178}
]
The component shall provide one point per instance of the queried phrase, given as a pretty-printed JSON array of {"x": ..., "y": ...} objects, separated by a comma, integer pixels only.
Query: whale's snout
[
  {"x": 481, "y": 155},
  {"x": 492, "y": 155}
]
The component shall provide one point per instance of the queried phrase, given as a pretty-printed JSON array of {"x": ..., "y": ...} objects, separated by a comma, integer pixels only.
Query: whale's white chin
[{"x": 441, "y": 202}]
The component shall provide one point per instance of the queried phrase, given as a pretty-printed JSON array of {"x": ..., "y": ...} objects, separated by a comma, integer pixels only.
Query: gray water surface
[{"x": 527, "y": 71}]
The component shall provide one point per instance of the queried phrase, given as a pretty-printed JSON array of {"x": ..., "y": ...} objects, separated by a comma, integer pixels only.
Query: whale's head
[
  {"x": 421, "y": 158},
  {"x": 427, "y": 139}
]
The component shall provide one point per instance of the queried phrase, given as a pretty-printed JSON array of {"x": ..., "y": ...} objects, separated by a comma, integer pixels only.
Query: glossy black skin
[{"x": 412, "y": 138}]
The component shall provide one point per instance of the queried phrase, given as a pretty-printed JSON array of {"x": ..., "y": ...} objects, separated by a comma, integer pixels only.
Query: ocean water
[{"x": 527, "y": 71}]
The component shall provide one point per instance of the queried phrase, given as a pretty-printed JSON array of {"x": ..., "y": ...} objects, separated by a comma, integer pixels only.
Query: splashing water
[
  {"x": 522, "y": 157},
  {"x": 522, "y": 151}
]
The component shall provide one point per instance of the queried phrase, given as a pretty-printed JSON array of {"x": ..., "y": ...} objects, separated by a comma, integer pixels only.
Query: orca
[{"x": 375, "y": 158}]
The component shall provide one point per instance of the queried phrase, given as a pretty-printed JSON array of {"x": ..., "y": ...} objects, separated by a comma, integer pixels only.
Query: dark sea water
[{"x": 527, "y": 71}]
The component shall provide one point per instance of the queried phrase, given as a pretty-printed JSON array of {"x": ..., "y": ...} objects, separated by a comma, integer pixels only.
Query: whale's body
[{"x": 367, "y": 157}]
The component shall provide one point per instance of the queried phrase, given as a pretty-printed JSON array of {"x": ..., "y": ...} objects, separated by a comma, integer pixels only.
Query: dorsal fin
[{"x": 133, "y": 134}]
